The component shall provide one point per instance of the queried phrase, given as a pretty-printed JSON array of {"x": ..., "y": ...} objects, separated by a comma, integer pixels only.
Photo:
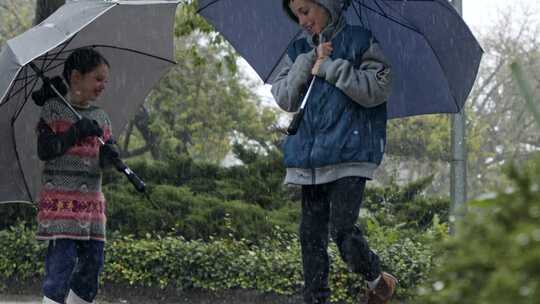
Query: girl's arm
[{"x": 50, "y": 144}]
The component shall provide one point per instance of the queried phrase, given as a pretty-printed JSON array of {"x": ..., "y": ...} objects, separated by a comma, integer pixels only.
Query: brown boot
[{"x": 384, "y": 291}]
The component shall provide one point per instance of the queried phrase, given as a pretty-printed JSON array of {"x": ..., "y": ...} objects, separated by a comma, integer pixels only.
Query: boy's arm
[
  {"x": 369, "y": 85},
  {"x": 291, "y": 83}
]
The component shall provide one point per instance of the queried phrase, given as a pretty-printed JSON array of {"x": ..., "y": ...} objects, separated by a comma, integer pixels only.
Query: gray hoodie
[{"x": 369, "y": 85}]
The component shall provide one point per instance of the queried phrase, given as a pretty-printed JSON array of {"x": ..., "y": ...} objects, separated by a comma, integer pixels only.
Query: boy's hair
[
  {"x": 290, "y": 13},
  {"x": 288, "y": 10},
  {"x": 83, "y": 60}
]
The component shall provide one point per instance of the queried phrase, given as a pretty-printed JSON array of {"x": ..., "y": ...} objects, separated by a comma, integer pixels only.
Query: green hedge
[
  {"x": 220, "y": 264},
  {"x": 207, "y": 232},
  {"x": 192, "y": 215},
  {"x": 258, "y": 182}
]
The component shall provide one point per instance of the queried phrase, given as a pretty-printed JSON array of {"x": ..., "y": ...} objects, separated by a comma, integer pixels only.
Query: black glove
[
  {"x": 108, "y": 153},
  {"x": 46, "y": 92},
  {"x": 86, "y": 127}
]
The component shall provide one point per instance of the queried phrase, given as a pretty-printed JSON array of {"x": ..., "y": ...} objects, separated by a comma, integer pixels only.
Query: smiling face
[
  {"x": 88, "y": 87},
  {"x": 311, "y": 16}
]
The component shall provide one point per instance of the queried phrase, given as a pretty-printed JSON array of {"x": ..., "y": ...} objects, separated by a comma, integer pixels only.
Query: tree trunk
[{"x": 44, "y": 8}]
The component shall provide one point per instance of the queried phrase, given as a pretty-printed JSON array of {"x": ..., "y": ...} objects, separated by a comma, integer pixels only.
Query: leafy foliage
[
  {"x": 495, "y": 255},
  {"x": 16, "y": 16},
  {"x": 170, "y": 262},
  {"x": 203, "y": 105}
]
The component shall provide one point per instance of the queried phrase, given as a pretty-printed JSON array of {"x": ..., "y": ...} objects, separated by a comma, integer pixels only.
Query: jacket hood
[{"x": 333, "y": 7}]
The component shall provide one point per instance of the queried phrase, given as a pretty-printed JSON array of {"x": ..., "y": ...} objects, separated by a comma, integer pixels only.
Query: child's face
[
  {"x": 89, "y": 86},
  {"x": 311, "y": 16}
]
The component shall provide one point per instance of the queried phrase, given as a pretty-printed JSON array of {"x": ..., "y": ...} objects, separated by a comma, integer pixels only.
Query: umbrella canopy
[
  {"x": 136, "y": 37},
  {"x": 434, "y": 56}
]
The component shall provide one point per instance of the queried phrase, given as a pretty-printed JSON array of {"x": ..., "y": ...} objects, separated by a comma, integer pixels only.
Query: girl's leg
[
  {"x": 84, "y": 282},
  {"x": 59, "y": 264}
]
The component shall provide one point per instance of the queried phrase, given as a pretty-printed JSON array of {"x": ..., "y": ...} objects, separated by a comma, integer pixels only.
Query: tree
[
  {"x": 203, "y": 105},
  {"x": 44, "y": 8},
  {"x": 15, "y": 16},
  {"x": 510, "y": 130}
]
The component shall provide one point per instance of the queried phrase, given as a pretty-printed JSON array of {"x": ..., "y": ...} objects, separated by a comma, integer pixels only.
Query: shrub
[
  {"x": 191, "y": 215},
  {"x": 170, "y": 262},
  {"x": 495, "y": 255}
]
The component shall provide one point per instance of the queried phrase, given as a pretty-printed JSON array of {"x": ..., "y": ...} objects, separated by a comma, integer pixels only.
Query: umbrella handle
[
  {"x": 295, "y": 123},
  {"x": 132, "y": 177},
  {"x": 297, "y": 118}
]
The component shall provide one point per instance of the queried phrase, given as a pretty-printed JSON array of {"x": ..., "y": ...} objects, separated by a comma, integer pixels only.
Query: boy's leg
[
  {"x": 84, "y": 282},
  {"x": 59, "y": 264},
  {"x": 345, "y": 197},
  {"x": 345, "y": 200},
  {"x": 314, "y": 243}
]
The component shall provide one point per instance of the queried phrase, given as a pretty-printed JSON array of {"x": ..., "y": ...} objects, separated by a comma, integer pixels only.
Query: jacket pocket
[{"x": 356, "y": 146}]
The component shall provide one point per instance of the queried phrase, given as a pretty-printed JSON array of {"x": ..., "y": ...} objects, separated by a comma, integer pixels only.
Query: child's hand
[
  {"x": 86, "y": 127},
  {"x": 316, "y": 66},
  {"x": 324, "y": 50}
]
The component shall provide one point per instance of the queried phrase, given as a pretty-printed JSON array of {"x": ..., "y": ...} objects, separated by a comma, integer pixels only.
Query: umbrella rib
[
  {"x": 49, "y": 68},
  {"x": 23, "y": 78},
  {"x": 56, "y": 55},
  {"x": 388, "y": 17},
  {"x": 282, "y": 53},
  {"x": 134, "y": 51},
  {"x": 26, "y": 95},
  {"x": 359, "y": 14},
  {"x": 427, "y": 42},
  {"x": 52, "y": 68},
  {"x": 19, "y": 90},
  {"x": 210, "y": 3},
  {"x": 119, "y": 48},
  {"x": 379, "y": 6}
]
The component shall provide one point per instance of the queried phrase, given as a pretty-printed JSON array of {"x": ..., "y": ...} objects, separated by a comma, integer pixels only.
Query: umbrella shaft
[{"x": 304, "y": 101}]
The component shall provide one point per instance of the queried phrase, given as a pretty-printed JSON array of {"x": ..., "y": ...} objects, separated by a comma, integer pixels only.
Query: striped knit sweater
[{"x": 71, "y": 203}]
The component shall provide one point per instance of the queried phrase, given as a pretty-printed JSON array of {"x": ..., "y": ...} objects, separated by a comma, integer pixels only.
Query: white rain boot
[
  {"x": 73, "y": 298},
  {"x": 48, "y": 301}
]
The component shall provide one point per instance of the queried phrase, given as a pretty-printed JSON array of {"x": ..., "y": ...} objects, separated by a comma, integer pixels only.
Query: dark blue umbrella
[{"x": 434, "y": 55}]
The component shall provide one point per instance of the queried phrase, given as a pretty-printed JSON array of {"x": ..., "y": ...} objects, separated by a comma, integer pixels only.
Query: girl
[{"x": 71, "y": 205}]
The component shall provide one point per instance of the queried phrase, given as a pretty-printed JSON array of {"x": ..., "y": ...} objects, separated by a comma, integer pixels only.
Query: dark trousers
[
  {"x": 72, "y": 264},
  {"x": 333, "y": 209}
]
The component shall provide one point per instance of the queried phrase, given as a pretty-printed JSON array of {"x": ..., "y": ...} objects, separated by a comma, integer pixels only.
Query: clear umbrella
[{"x": 136, "y": 37}]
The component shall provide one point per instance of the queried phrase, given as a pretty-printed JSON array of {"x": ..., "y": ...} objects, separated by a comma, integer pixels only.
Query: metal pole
[{"x": 458, "y": 170}]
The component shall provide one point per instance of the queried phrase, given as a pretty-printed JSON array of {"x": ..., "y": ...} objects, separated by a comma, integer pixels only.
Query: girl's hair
[{"x": 84, "y": 60}]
